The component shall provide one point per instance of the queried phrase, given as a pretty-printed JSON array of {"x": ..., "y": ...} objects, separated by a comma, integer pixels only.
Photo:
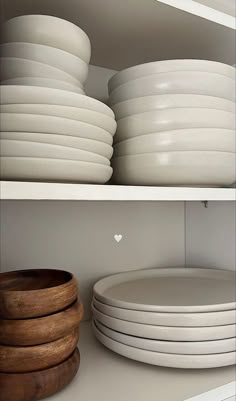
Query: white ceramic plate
[
  {"x": 88, "y": 145},
  {"x": 212, "y": 139},
  {"x": 168, "y": 319},
  {"x": 171, "y": 347},
  {"x": 178, "y": 290},
  {"x": 180, "y": 82},
  {"x": 58, "y": 58},
  {"x": 12, "y": 148},
  {"x": 53, "y": 125},
  {"x": 167, "y": 360},
  {"x": 18, "y": 67},
  {"x": 173, "y": 119},
  {"x": 157, "y": 67},
  {"x": 169, "y": 333},
  {"x": 24, "y": 94},
  {"x": 187, "y": 168},
  {"x": 49, "y": 31},
  {"x": 45, "y": 82},
  {"x": 53, "y": 170},
  {"x": 88, "y": 116},
  {"x": 160, "y": 102}
]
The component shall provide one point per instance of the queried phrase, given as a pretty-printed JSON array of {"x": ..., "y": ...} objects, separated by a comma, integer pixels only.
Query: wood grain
[
  {"x": 28, "y": 359},
  {"x": 35, "y": 292},
  {"x": 41, "y": 330},
  {"x": 37, "y": 385}
]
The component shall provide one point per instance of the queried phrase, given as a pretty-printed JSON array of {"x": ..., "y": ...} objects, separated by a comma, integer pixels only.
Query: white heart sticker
[{"x": 118, "y": 237}]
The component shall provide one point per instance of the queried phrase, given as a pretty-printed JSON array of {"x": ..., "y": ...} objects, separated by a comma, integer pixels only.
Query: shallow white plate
[
  {"x": 24, "y": 94},
  {"x": 180, "y": 82},
  {"x": 12, "y": 148},
  {"x": 45, "y": 82},
  {"x": 50, "y": 31},
  {"x": 88, "y": 145},
  {"x": 18, "y": 67},
  {"x": 157, "y": 67},
  {"x": 167, "y": 360},
  {"x": 53, "y": 170},
  {"x": 171, "y": 347},
  {"x": 169, "y": 333},
  {"x": 212, "y": 139},
  {"x": 53, "y": 125},
  {"x": 168, "y": 319},
  {"x": 159, "y": 102},
  {"x": 67, "y": 62},
  {"x": 181, "y": 290},
  {"x": 173, "y": 119},
  {"x": 200, "y": 168},
  {"x": 88, "y": 116}
]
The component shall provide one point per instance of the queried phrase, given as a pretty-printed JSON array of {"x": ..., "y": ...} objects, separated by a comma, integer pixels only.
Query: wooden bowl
[
  {"x": 37, "y": 357},
  {"x": 40, "y": 384},
  {"x": 41, "y": 330},
  {"x": 34, "y": 293}
]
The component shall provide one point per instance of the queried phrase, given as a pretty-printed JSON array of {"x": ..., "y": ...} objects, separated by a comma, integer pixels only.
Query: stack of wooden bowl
[{"x": 40, "y": 313}]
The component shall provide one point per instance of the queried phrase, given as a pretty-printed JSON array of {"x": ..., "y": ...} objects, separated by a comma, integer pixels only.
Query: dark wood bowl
[
  {"x": 34, "y": 293},
  {"x": 40, "y": 384},
  {"x": 41, "y": 330},
  {"x": 37, "y": 357}
]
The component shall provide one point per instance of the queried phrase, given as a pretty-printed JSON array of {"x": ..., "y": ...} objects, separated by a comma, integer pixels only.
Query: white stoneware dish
[
  {"x": 49, "y": 31},
  {"x": 53, "y": 170},
  {"x": 45, "y": 83}
]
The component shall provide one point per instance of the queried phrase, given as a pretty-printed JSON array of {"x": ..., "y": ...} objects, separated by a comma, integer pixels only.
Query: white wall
[{"x": 97, "y": 82}]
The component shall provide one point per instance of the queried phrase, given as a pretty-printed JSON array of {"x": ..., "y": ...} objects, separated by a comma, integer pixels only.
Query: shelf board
[
  {"x": 12, "y": 190},
  {"x": 151, "y": 30},
  {"x": 106, "y": 376}
]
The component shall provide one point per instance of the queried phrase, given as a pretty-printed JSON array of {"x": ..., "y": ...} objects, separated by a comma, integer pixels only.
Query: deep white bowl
[
  {"x": 67, "y": 62},
  {"x": 159, "y": 102},
  {"x": 180, "y": 82},
  {"x": 157, "y": 67},
  {"x": 45, "y": 83},
  {"x": 49, "y": 31},
  {"x": 213, "y": 169},
  {"x": 212, "y": 139},
  {"x": 173, "y": 119},
  {"x": 24, "y": 94}
]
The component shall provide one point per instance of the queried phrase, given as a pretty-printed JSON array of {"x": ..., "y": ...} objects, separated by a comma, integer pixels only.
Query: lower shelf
[{"x": 106, "y": 376}]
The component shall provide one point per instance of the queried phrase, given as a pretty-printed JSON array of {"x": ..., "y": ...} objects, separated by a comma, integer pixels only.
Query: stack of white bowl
[
  {"x": 173, "y": 317},
  {"x": 175, "y": 123},
  {"x": 51, "y": 131}
]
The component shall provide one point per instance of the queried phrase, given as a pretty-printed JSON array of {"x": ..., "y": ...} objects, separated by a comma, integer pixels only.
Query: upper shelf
[
  {"x": 52, "y": 191},
  {"x": 128, "y": 32}
]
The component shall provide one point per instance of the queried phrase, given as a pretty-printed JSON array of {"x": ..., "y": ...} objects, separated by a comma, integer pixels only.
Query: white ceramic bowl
[
  {"x": 49, "y": 31},
  {"x": 46, "y": 83},
  {"x": 180, "y": 82},
  {"x": 159, "y": 102},
  {"x": 88, "y": 116},
  {"x": 12, "y": 148},
  {"x": 53, "y": 125},
  {"x": 55, "y": 170},
  {"x": 157, "y": 67},
  {"x": 12, "y": 67},
  {"x": 213, "y": 169},
  {"x": 24, "y": 94},
  {"x": 172, "y": 119},
  {"x": 57, "y": 58},
  {"x": 88, "y": 145},
  {"x": 212, "y": 139}
]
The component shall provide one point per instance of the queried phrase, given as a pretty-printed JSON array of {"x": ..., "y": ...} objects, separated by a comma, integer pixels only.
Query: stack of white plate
[
  {"x": 173, "y": 317},
  {"x": 175, "y": 123},
  {"x": 42, "y": 50}
]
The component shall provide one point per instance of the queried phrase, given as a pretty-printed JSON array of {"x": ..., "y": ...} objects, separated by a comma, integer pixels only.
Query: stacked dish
[
  {"x": 175, "y": 123},
  {"x": 36, "y": 51},
  {"x": 173, "y": 317}
]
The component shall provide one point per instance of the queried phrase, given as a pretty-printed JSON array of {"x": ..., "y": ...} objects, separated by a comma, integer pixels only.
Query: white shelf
[
  {"x": 151, "y": 30},
  {"x": 11, "y": 190},
  {"x": 106, "y": 376}
]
